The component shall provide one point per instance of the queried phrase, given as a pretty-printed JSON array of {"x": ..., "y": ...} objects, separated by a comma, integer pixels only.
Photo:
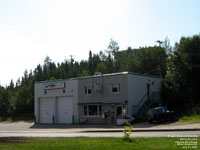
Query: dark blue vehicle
[{"x": 160, "y": 114}]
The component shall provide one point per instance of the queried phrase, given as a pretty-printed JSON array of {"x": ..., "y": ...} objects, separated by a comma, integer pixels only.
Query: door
[
  {"x": 64, "y": 110},
  {"x": 46, "y": 110},
  {"x": 121, "y": 111}
]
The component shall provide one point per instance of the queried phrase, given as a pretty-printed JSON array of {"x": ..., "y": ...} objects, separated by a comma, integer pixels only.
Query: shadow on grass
[{"x": 14, "y": 139}]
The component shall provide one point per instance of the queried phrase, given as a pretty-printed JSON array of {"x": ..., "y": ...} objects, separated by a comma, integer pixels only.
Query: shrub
[{"x": 127, "y": 132}]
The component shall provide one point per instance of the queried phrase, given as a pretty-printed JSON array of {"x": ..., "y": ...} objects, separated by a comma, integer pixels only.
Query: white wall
[
  {"x": 137, "y": 88},
  {"x": 71, "y": 89}
]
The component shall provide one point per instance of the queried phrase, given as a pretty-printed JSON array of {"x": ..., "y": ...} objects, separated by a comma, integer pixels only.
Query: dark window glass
[
  {"x": 100, "y": 110},
  {"x": 85, "y": 110},
  {"x": 114, "y": 89},
  {"x": 92, "y": 110},
  {"x": 85, "y": 89},
  {"x": 89, "y": 91}
]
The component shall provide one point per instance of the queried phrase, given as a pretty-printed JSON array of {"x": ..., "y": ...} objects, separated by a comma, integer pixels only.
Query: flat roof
[{"x": 111, "y": 74}]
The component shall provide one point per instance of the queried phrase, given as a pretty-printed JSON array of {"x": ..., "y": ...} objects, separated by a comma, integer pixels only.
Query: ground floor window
[{"x": 92, "y": 110}]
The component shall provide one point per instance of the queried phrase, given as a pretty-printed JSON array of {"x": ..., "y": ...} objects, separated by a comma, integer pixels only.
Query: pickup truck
[{"x": 160, "y": 114}]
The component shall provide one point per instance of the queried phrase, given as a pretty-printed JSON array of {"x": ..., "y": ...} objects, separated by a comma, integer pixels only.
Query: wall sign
[{"x": 58, "y": 85}]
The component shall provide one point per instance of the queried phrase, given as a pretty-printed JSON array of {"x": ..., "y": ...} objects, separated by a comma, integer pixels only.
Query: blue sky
[{"x": 32, "y": 29}]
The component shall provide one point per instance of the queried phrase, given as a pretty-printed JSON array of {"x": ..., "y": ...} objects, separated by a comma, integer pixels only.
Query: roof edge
[{"x": 111, "y": 74}]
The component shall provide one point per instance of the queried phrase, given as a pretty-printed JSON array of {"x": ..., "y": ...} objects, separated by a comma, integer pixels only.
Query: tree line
[{"x": 179, "y": 66}]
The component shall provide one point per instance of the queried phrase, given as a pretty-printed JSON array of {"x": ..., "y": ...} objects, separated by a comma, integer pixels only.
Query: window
[
  {"x": 88, "y": 90},
  {"x": 115, "y": 88},
  {"x": 92, "y": 110}
]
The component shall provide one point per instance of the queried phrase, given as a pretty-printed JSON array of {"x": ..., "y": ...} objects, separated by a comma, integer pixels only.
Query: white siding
[
  {"x": 137, "y": 88},
  {"x": 70, "y": 90}
]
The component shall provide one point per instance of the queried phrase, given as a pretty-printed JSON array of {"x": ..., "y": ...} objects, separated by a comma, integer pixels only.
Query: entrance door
[{"x": 121, "y": 111}]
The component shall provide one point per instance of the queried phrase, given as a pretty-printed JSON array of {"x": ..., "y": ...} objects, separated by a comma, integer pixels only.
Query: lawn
[
  {"x": 85, "y": 143},
  {"x": 195, "y": 118}
]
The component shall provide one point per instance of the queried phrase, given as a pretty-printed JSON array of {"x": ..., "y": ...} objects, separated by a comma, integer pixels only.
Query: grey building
[{"x": 98, "y": 99}]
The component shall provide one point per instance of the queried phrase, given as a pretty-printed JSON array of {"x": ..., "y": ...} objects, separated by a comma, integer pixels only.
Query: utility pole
[{"x": 71, "y": 57}]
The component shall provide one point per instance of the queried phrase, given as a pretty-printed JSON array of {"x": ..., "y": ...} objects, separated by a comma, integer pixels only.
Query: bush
[{"x": 127, "y": 132}]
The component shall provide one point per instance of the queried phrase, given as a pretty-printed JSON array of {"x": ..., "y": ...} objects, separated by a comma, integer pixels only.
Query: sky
[{"x": 32, "y": 29}]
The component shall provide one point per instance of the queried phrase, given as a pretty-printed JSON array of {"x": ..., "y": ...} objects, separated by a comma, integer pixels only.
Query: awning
[
  {"x": 84, "y": 103},
  {"x": 100, "y": 102}
]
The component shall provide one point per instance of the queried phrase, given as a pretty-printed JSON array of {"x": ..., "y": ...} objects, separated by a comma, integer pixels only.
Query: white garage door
[
  {"x": 46, "y": 110},
  {"x": 64, "y": 110}
]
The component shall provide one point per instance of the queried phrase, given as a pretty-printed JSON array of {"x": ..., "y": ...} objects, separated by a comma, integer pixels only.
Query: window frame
[
  {"x": 117, "y": 86},
  {"x": 86, "y": 89}
]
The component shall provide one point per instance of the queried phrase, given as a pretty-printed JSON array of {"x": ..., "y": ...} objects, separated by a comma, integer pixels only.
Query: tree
[
  {"x": 101, "y": 68},
  {"x": 4, "y": 102},
  {"x": 113, "y": 48},
  {"x": 38, "y": 73},
  {"x": 183, "y": 77},
  {"x": 90, "y": 64},
  {"x": 47, "y": 60},
  {"x": 151, "y": 60},
  {"x": 94, "y": 60},
  {"x": 11, "y": 86},
  {"x": 109, "y": 64}
]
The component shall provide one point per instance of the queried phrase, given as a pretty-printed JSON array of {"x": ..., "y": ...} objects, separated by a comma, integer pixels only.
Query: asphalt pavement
[{"x": 29, "y": 129}]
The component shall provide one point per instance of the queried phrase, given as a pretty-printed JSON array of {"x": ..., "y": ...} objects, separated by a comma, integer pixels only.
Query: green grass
[
  {"x": 195, "y": 118},
  {"x": 84, "y": 143}
]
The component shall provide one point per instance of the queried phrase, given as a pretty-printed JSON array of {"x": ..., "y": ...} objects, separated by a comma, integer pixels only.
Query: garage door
[
  {"x": 46, "y": 110},
  {"x": 64, "y": 113}
]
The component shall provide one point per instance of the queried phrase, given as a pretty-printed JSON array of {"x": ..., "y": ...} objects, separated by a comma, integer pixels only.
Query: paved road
[
  {"x": 100, "y": 134},
  {"x": 28, "y": 129}
]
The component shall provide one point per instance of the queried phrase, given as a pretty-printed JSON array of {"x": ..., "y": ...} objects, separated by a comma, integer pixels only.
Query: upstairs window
[
  {"x": 88, "y": 90},
  {"x": 115, "y": 88}
]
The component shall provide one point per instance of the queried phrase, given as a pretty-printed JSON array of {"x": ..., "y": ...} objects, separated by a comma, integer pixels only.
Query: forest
[{"x": 178, "y": 65}]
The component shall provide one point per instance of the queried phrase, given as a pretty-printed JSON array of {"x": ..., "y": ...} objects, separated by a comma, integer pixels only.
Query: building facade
[{"x": 98, "y": 99}]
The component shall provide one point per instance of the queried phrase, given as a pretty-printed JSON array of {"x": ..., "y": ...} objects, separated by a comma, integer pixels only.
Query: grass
[
  {"x": 194, "y": 118},
  {"x": 85, "y": 143}
]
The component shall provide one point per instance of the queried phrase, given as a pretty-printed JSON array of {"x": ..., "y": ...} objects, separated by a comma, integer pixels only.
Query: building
[{"x": 98, "y": 99}]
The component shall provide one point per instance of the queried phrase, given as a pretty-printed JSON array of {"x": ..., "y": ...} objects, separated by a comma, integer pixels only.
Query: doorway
[{"x": 121, "y": 111}]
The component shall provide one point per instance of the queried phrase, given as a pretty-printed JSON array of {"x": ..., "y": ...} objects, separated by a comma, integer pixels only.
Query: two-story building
[{"x": 98, "y": 99}]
